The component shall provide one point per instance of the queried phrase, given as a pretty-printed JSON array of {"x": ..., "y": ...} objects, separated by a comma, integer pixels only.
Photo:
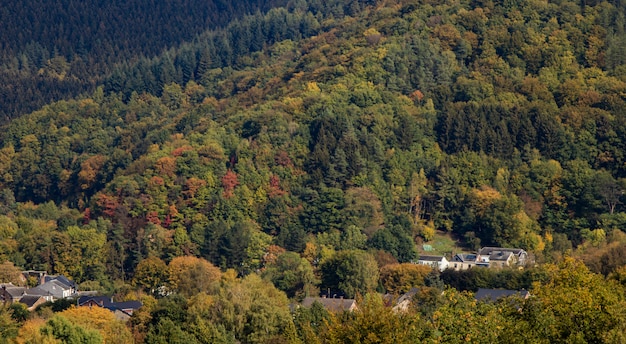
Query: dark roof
[
  {"x": 465, "y": 257},
  {"x": 431, "y": 258},
  {"x": 106, "y": 302},
  {"x": 492, "y": 295},
  {"x": 29, "y": 300},
  {"x": 101, "y": 300},
  {"x": 124, "y": 305},
  {"x": 331, "y": 304},
  {"x": 485, "y": 251}
]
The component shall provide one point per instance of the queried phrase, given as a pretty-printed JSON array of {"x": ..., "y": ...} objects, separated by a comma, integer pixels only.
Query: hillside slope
[{"x": 500, "y": 123}]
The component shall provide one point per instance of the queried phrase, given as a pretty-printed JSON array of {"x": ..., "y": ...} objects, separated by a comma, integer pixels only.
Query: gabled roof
[
  {"x": 61, "y": 280},
  {"x": 408, "y": 295},
  {"x": 56, "y": 285},
  {"x": 404, "y": 301},
  {"x": 30, "y": 300},
  {"x": 48, "y": 288},
  {"x": 331, "y": 304},
  {"x": 12, "y": 290},
  {"x": 492, "y": 295},
  {"x": 431, "y": 258}
]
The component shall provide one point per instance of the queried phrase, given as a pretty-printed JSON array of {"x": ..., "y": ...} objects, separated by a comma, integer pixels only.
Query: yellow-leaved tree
[
  {"x": 575, "y": 305},
  {"x": 112, "y": 330},
  {"x": 190, "y": 275},
  {"x": 76, "y": 325}
]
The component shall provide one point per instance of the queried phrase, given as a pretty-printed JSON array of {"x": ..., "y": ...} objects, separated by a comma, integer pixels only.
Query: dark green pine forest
[
  {"x": 220, "y": 160},
  {"x": 60, "y": 49}
]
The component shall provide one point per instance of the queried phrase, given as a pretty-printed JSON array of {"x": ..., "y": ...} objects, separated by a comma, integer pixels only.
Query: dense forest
[
  {"x": 233, "y": 166},
  {"x": 53, "y": 50}
]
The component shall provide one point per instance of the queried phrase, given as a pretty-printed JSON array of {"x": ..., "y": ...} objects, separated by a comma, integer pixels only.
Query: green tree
[
  {"x": 573, "y": 305},
  {"x": 311, "y": 323},
  {"x": 373, "y": 322},
  {"x": 8, "y": 326},
  {"x": 190, "y": 275},
  {"x": 396, "y": 241},
  {"x": 253, "y": 310},
  {"x": 351, "y": 272},
  {"x": 87, "y": 254},
  {"x": 293, "y": 275},
  {"x": 462, "y": 319},
  {"x": 62, "y": 329},
  {"x": 9, "y": 273},
  {"x": 400, "y": 278},
  {"x": 151, "y": 274}
]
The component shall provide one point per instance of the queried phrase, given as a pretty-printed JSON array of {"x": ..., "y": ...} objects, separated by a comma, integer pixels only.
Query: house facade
[
  {"x": 50, "y": 291},
  {"x": 499, "y": 257},
  {"x": 54, "y": 288},
  {"x": 490, "y": 257}
]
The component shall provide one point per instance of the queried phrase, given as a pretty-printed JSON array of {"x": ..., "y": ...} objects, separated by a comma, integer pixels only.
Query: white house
[
  {"x": 436, "y": 262},
  {"x": 54, "y": 288}
]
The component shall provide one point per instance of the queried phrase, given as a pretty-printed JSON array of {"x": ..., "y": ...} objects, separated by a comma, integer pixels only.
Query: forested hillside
[
  {"x": 316, "y": 147},
  {"x": 53, "y": 50}
]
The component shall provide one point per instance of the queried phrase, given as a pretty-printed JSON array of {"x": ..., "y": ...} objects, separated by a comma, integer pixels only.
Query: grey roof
[
  {"x": 14, "y": 291},
  {"x": 121, "y": 315},
  {"x": 431, "y": 258},
  {"x": 38, "y": 291},
  {"x": 62, "y": 280},
  {"x": 408, "y": 295},
  {"x": 331, "y": 304},
  {"x": 500, "y": 255},
  {"x": 492, "y": 295},
  {"x": 54, "y": 288}
]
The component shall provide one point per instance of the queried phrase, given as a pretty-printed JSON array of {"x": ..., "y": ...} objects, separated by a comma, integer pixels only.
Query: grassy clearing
[{"x": 442, "y": 244}]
